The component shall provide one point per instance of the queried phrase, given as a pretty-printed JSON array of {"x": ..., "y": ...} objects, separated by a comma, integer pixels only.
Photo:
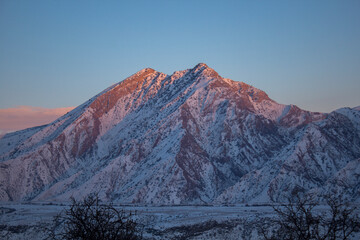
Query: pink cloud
[{"x": 12, "y": 119}]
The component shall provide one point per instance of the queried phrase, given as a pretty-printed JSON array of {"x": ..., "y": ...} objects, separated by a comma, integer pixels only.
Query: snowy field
[{"x": 27, "y": 221}]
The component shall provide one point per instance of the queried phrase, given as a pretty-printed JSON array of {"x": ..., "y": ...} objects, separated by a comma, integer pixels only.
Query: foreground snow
[
  {"x": 19, "y": 221},
  {"x": 28, "y": 221}
]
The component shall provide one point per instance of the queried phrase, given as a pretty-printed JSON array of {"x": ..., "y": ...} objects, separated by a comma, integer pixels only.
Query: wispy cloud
[{"x": 12, "y": 119}]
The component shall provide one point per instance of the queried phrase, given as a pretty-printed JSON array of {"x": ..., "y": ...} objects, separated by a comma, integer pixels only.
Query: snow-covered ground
[{"x": 28, "y": 220}]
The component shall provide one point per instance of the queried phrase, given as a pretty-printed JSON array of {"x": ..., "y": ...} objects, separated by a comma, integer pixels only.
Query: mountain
[{"x": 192, "y": 137}]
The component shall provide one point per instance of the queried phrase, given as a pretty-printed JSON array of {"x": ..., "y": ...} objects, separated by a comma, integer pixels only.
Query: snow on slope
[{"x": 191, "y": 137}]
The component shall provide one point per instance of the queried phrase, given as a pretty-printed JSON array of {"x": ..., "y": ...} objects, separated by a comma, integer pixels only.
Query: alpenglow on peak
[{"x": 192, "y": 137}]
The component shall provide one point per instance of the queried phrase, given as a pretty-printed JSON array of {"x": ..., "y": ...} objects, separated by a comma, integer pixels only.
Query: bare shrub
[
  {"x": 89, "y": 219},
  {"x": 300, "y": 220}
]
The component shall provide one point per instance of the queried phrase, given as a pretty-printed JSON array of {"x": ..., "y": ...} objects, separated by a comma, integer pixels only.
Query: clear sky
[{"x": 59, "y": 53}]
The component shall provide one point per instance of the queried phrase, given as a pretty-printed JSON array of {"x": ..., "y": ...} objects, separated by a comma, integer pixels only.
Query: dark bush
[
  {"x": 304, "y": 219},
  {"x": 89, "y": 219}
]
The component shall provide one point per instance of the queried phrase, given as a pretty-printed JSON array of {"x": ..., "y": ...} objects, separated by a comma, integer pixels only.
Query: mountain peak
[
  {"x": 201, "y": 67},
  {"x": 146, "y": 70},
  {"x": 139, "y": 76},
  {"x": 205, "y": 70}
]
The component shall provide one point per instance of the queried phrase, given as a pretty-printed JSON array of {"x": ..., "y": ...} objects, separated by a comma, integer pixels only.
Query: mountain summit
[{"x": 192, "y": 137}]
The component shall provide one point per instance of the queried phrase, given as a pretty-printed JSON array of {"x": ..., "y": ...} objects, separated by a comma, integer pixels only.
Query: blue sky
[{"x": 61, "y": 53}]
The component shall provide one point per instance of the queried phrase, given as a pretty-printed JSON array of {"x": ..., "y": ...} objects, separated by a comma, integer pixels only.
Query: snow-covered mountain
[{"x": 188, "y": 138}]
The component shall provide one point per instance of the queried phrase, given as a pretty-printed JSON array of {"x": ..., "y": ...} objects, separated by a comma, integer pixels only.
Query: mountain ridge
[{"x": 192, "y": 137}]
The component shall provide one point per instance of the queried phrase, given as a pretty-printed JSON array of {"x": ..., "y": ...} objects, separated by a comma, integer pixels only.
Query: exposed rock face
[{"x": 192, "y": 137}]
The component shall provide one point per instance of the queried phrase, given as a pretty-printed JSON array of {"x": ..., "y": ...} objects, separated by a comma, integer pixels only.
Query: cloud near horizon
[{"x": 22, "y": 117}]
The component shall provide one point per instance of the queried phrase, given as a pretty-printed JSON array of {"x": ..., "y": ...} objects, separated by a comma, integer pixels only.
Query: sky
[
  {"x": 22, "y": 117},
  {"x": 56, "y": 54}
]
